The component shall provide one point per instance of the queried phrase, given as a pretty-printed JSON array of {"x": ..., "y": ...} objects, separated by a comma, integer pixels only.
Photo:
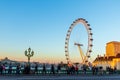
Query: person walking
[
  {"x": 93, "y": 70},
  {"x": 10, "y": 69},
  {"x": 36, "y": 68},
  {"x": 58, "y": 68},
  {"x": 52, "y": 69},
  {"x": 44, "y": 69},
  {"x": 1, "y": 68},
  {"x": 18, "y": 69}
]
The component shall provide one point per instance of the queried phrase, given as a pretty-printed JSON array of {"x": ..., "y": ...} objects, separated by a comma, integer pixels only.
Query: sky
[{"x": 43, "y": 24}]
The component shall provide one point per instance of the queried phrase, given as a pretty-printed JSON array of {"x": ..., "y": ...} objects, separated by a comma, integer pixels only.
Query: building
[
  {"x": 111, "y": 58},
  {"x": 7, "y": 61},
  {"x": 113, "y": 48}
]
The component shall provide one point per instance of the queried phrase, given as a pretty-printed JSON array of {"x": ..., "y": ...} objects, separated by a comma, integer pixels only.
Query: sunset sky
[{"x": 43, "y": 24}]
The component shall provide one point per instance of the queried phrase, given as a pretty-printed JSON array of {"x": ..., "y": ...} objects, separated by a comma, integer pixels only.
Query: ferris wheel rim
[{"x": 90, "y": 39}]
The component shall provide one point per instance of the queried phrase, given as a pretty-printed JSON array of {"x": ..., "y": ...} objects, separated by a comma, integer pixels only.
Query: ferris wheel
[{"x": 84, "y": 56}]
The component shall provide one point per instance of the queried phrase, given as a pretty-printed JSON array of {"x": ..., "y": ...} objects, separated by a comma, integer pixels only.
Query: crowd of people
[
  {"x": 73, "y": 69},
  {"x": 27, "y": 69},
  {"x": 99, "y": 70}
]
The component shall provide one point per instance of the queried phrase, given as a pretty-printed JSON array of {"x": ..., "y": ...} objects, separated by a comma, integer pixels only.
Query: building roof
[
  {"x": 109, "y": 58},
  {"x": 113, "y": 42},
  {"x": 118, "y": 55},
  {"x": 7, "y": 60}
]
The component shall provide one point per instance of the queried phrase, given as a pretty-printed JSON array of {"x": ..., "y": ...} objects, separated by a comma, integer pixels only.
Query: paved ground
[{"x": 61, "y": 77}]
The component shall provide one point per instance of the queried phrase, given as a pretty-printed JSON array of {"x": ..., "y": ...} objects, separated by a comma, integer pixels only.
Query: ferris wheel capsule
[
  {"x": 83, "y": 19},
  {"x": 69, "y": 31},
  {"x": 91, "y": 33},
  {"x": 86, "y": 21},
  {"x": 86, "y": 61},
  {"x": 66, "y": 51},
  {"x": 91, "y": 45},
  {"x": 71, "y": 26},
  {"x": 74, "y": 21},
  {"x": 66, "y": 38},
  {"x": 68, "y": 34},
  {"x": 65, "y": 42},
  {"x": 91, "y": 39},
  {"x": 66, "y": 54},
  {"x": 67, "y": 58},
  {"x": 88, "y": 56},
  {"x": 65, "y": 46},
  {"x": 90, "y": 51},
  {"x": 88, "y": 24},
  {"x": 90, "y": 29},
  {"x": 79, "y": 18}
]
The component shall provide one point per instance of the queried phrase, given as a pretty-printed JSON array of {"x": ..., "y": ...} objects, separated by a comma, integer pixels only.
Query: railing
[
  {"x": 14, "y": 71},
  {"x": 38, "y": 72}
]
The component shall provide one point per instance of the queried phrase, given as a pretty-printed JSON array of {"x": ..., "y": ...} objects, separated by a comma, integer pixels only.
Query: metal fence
[{"x": 88, "y": 72}]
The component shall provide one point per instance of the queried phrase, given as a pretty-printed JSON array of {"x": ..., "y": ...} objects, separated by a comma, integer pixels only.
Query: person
[
  {"x": 4, "y": 69},
  {"x": 36, "y": 68},
  {"x": 1, "y": 68},
  {"x": 18, "y": 69},
  {"x": 68, "y": 69},
  {"x": 101, "y": 70},
  {"x": 58, "y": 68},
  {"x": 27, "y": 69},
  {"x": 76, "y": 69},
  {"x": 44, "y": 69},
  {"x": 115, "y": 69},
  {"x": 52, "y": 69},
  {"x": 84, "y": 68},
  {"x": 10, "y": 69},
  {"x": 93, "y": 70},
  {"x": 72, "y": 69},
  {"x": 96, "y": 70}
]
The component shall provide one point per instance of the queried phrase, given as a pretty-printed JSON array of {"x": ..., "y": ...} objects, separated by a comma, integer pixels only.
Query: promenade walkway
[{"x": 59, "y": 77}]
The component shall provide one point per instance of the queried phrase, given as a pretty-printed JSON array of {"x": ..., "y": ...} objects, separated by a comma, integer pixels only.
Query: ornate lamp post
[{"x": 29, "y": 53}]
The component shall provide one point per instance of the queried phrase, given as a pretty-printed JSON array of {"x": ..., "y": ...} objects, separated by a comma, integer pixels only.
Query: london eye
[{"x": 85, "y": 56}]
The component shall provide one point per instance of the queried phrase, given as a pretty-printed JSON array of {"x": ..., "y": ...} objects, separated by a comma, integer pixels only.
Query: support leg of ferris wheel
[{"x": 81, "y": 52}]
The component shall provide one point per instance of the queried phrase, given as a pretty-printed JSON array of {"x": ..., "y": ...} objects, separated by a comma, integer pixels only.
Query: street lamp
[{"x": 29, "y": 53}]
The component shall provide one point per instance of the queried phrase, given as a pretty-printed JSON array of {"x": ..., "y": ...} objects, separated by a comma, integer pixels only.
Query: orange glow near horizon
[
  {"x": 42, "y": 58},
  {"x": 35, "y": 59}
]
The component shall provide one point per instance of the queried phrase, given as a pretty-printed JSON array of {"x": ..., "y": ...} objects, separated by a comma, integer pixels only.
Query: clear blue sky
[{"x": 43, "y": 24}]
